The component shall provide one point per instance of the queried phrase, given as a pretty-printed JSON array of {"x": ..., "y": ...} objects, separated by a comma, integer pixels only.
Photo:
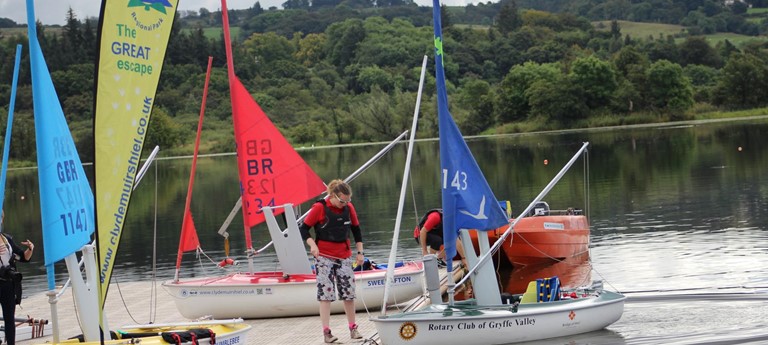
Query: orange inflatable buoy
[{"x": 226, "y": 262}]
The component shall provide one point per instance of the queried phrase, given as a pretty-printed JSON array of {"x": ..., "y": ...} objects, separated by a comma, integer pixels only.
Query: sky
[{"x": 51, "y": 12}]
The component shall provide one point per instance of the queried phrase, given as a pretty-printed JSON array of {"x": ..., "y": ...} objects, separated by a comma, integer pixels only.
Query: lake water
[{"x": 679, "y": 218}]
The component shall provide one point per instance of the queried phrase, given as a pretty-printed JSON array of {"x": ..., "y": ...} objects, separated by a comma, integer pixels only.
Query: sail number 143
[{"x": 458, "y": 180}]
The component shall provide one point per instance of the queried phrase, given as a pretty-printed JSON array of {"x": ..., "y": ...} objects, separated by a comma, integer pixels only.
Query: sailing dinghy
[
  {"x": 469, "y": 203},
  {"x": 67, "y": 203},
  {"x": 273, "y": 178}
]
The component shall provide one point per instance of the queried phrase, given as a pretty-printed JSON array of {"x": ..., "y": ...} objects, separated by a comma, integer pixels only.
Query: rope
[
  {"x": 122, "y": 298},
  {"x": 153, "y": 290},
  {"x": 153, "y": 286}
]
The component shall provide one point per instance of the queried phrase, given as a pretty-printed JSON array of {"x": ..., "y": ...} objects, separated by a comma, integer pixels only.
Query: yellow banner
[{"x": 134, "y": 39}]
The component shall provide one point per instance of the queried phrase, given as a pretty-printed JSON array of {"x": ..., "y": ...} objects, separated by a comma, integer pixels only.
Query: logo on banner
[{"x": 153, "y": 15}]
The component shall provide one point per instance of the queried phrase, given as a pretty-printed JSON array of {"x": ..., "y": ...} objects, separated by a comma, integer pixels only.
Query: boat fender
[
  {"x": 189, "y": 336},
  {"x": 226, "y": 262}
]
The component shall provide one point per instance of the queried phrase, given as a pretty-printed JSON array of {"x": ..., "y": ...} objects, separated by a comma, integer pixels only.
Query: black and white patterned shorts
[{"x": 338, "y": 271}]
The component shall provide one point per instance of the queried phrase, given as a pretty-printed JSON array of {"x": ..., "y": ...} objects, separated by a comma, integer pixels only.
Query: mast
[
  {"x": 231, "y": 77},
  {"x": 188, "y": 240},
  {"x": 9, "y": 127},
  {"x": 406, "y": 173}
]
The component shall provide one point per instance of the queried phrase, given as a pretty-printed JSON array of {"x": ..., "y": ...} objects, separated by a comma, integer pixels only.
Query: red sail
[
  {"x": 271, "y": 172},
  {"x": 188, "y": 241}
]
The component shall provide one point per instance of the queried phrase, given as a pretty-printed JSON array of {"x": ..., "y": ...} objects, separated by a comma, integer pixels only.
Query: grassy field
[
  {"x": 10, "y": 32},
  {"x": 472, "y": 26},
  {"x": 642, "y": 30},
  {"x": 735, "y": 39},
  {"x": 753, "y": 11},
  {"x": 215, "y": 33},
  {"x": 645, "y": 30}
]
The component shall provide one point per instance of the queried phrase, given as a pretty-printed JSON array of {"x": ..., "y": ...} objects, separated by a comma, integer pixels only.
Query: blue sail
[
  {"x": 8, "y": 129},
  {"x": 468, "y": 202},
  {"x": 66, "y": 199}
]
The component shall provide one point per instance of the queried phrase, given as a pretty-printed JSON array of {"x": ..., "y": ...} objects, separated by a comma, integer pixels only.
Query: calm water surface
[{"x": 679, "y": 219}]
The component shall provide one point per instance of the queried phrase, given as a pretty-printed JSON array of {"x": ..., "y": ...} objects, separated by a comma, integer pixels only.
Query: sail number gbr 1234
[{"x": 260, "y": 184}]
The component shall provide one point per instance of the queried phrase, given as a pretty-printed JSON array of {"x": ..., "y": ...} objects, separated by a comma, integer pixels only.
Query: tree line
[{"x": 355, "y": 79}]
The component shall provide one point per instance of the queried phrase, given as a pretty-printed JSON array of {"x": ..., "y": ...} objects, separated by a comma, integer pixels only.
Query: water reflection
[
  {"x": 573, "y": 272},
  {"x": 601, "y": 337}
]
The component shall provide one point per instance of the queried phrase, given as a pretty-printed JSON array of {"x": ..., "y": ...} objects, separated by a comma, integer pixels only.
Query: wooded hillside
[{"x": 342, "y": 72}]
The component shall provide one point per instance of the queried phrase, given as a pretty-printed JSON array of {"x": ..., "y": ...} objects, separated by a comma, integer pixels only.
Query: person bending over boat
[
  {"x": 333, "y": 219},
  {"x": 10, "y": 279},
  {"x": 429, "y": 234}
]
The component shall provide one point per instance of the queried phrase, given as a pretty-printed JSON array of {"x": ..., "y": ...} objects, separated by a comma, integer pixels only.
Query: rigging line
[
  {"x": 498, "y": 268},
  {"x": 198, "y": 254},
  {"x": 607, "y": 281},
  {"x": 153, "y": 292},
  {"x": 74, "y": 304},
  {"x": 586, "y": 184},
  {"x": 358, "y": 282},
  {"x": 534, "y": 247},
  {"x": 413, "y": 196},
  {"x": 153, "y": 285},
  {"x": 122, "y": 298}
]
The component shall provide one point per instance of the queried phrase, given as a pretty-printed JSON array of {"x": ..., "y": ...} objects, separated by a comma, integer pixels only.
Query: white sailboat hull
[
  {"x": 472, "y": 324},
  {"x": 269, "y": 294}
]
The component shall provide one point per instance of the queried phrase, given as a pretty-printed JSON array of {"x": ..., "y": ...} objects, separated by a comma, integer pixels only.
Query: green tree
[
  {"x": 670, "y": 91},
  {"x": 595, "y": 80},
  {"x": 508, "y": 20},
  {"x": 476, "y": 96},
  {"x": 743, "y": 82},
  {"x": 374, "y": 111},
  {"x": 697, "y": 51},
  {"x": 512, "y": 102},
  {"x": 725, "y": 49},
  {"x": 663, "y": 49},
  {"x": 373, "y": 76},
  {"x": 703, "y": 79},
  {"x": 310, "y": 50},
  {"x": 445, "y": 17},
  {"x": 73, "y": 37},
  {"x": 342, "y": 41},
  {"x": 615, "y": 30},
  {"x": 268, "y": 47},
  {"x": 23, "y": 145},
  {"x": 556, "y": 100},
  {"x": 163, "y": 131},
  {"x": 89, "y": 40},
  {"x": 627, "y": 57},
  {"x": 296, "y": 4},
  {"x": 74, "y": 80}
]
